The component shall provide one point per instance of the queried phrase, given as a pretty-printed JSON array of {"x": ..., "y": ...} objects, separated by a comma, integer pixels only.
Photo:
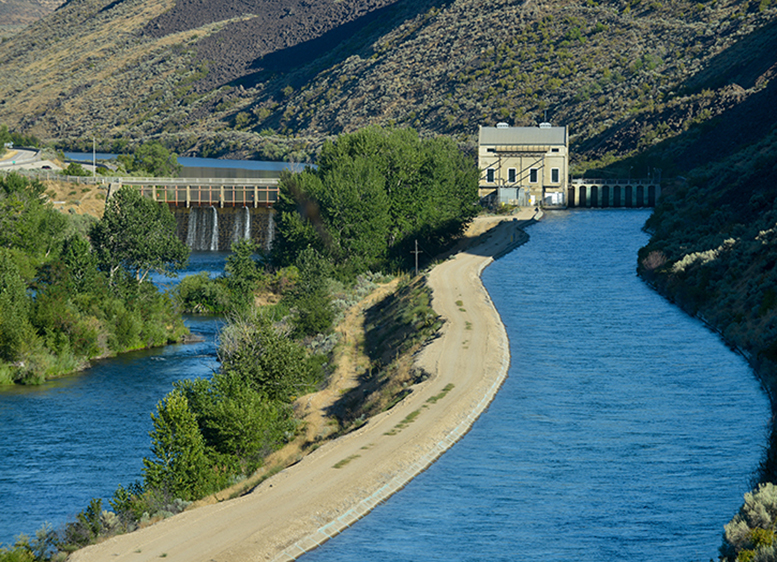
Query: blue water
[
  {"x": 625, "y": 431},
  {"x": 79, "y": 437},
  {"x": 195, "y": 162}
]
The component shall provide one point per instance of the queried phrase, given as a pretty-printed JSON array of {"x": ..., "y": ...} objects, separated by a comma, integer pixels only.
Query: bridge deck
[{"x": 189, "y": 192}]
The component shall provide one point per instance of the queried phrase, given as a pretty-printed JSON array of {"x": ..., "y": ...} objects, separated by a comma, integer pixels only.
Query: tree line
[
  {"x": 373, "y": 193},
  {"x": 73, "y": 288}
]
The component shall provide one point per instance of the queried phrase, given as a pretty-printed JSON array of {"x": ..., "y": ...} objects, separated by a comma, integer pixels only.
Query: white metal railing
[
  {"x": 131, "y": 180},
  {"x": 613, "y": 181}
]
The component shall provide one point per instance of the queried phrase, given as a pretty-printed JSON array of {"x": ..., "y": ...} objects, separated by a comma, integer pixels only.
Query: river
[
  {"x": 79, "y": 437},
  {"x": 625, "y": 431}
]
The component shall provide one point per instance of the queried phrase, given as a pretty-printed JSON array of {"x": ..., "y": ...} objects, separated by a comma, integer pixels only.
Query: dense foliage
[
  {"x": 209, "y": 433},
  {"x": 150, "y": 159},
  {"x": 374, "y": 193},
  {"x": 62, "y": 301},
  {"x": 137, "y": 234},
  {"x": 749, "y": 537},
  {"x": 16, "y": 139}
]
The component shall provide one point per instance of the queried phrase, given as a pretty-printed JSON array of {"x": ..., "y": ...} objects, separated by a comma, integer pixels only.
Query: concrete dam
[
  {"x": 212, "y": 214},
  {"x": 217, "y": 228}
]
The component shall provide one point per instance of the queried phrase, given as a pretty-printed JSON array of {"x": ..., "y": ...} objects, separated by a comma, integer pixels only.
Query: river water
[
  {"x": 79, "y": 437},
  {"x": 625, "y": 430}
]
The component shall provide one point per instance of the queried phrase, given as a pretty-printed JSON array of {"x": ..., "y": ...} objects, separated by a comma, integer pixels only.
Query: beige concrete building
[{"x": 524, "y": 165}]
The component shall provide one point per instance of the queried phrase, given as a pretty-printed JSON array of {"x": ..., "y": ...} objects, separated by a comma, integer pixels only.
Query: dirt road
[{"x": 325, "y": 492}]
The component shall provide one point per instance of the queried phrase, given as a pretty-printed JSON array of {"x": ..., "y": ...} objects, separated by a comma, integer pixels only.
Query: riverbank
[{"x": 304, "y": 505}]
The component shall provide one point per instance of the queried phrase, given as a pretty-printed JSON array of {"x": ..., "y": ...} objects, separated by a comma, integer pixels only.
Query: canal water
[
  {"x": 79, "y": 437},
  {"x": 625, "y": 431}
]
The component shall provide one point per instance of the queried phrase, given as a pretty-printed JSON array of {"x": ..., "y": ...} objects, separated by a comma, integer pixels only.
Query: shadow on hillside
[
  {"x": 748, "y": 119},
  {"x": 334, "y": 46},
  {"x": 742, "y": 64}
]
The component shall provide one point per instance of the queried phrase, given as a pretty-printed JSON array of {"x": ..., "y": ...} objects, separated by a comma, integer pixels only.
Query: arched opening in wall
[
  {"x": 652, "y": 196},
  {"x": 605, "y": 196},
  {"x": 640, "y": 196},
  {"x": 616, "y": 196},
  {"x": 629, "y": 196},
  {"x": 594, "y": 196},
  {"x": 582, "y": 200},
  {"x": 571, "y": 197}
]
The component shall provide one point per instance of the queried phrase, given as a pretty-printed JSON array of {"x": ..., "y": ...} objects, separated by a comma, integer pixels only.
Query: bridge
[{"x": 204, "y": 192}]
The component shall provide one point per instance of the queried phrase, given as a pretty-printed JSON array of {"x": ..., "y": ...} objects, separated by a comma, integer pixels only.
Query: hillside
[
  {"x": 15, "y": 14},
  {"x": 272, "y": 79}
]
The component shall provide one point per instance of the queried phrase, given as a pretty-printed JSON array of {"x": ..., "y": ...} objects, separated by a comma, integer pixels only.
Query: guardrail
[
  {"x": 613, "y": 181},
  {"x": 51, "y": 175}
]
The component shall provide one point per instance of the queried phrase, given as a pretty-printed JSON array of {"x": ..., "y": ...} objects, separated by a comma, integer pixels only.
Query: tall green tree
[
  {"x": 138, "y": 235},
  {"x": 151, "y": 159},
  {"x": 374, "y": 192},
  {"x": 28, "y": 223},
  {"x": 180, "y": 465},
  {"x": 242, "y": 272},
  {"x": 15, "y": 327}
]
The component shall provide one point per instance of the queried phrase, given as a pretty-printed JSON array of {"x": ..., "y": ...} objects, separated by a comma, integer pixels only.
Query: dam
[{"x": 211, "y": 214}]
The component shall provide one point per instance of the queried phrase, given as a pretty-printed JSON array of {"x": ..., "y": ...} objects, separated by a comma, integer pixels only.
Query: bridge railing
[
  {"x": 613, "y": 181},
  {"x": 199, "y": 194},
  {"x": 132, "y": 180}
]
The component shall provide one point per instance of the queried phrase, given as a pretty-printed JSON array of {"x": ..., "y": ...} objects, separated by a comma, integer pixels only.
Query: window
[
  {"x": 490, "y": 175},
  {"x": 533, "y": 175},
  {"x": 554, "y": 175},
  {"x": 511, "y": 175}
]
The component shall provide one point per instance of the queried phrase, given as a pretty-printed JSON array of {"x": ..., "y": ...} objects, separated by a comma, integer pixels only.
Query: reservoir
[{"x": 625, "y": 431}]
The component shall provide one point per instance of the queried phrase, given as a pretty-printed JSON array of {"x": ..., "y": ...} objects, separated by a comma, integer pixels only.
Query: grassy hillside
[{"x": 255, "y": 78}]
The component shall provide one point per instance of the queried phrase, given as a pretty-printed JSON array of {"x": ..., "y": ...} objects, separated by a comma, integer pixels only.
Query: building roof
[{"x": 517, "y": 136}]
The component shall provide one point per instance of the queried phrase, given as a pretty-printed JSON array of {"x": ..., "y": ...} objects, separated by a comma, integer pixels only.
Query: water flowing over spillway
[
  {"x": 241, "y": 229},
  {"x": 270, "y": 232},
  {"x": 215, "y": 229},
  {"x": 203, "y": 232}
]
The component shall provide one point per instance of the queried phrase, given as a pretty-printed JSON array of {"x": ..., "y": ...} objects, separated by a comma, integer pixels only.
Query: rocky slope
[
  {"x": 272, "y": 78},
  {"x": 15, "y": 14}
]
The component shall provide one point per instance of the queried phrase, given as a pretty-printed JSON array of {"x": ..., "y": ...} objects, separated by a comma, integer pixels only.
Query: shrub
[{"x": 750, "y": 534}]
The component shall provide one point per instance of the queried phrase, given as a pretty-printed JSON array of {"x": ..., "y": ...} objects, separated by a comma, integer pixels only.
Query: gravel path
[{"x": 306, "y": 504}]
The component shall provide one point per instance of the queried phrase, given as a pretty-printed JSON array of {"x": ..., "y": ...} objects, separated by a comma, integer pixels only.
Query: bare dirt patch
[{"x": 76, "y": 198}]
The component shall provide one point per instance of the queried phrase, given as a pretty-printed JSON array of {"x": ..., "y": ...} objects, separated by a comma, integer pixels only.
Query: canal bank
[
  {"x": 625, "y": 429},
  {"x": 306, "y": 504}
]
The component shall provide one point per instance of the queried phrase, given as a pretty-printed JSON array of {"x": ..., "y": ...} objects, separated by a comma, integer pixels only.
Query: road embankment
[{"x": 328, "y": 490}]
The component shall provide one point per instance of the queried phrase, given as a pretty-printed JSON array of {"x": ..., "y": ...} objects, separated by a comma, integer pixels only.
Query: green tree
[
  {"x": 311, "y": 301},
  {"x": 242, "y": 272},
  {"x": 27, "y": 222},
  {"x": 151, "y": 159},
  {"x": 15, "y": 327},
  {"x": 263, "y": 358},
  {"x": 138, "y": 235},
  {"x": 298, "y": 217},
  {"x": 180, "y": 465},
  {"x": 373, "y": 193},
  {"x": 75, "y": 169}
]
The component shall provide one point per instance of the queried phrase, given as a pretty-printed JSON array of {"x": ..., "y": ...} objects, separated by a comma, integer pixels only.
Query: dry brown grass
[{"x": 74, "y": 198}]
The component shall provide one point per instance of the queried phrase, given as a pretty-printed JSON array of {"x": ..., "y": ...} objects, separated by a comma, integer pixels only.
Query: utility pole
[{"x": 416, "y": 252}]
